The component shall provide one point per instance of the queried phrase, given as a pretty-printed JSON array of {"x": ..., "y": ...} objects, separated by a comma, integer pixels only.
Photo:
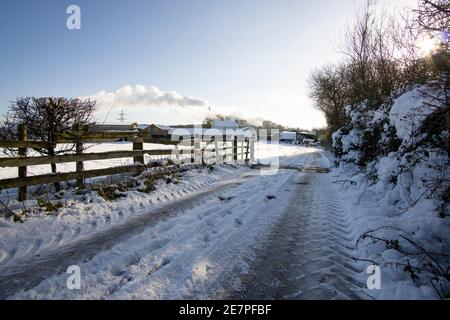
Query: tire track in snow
[
  {"x": 308, "y": 254},
  {"x": 60, "y": 234},
  {"x": 30, "y": 270},
  {"x": 202, "y": 240},
  {"x": 302, "y": 250}
]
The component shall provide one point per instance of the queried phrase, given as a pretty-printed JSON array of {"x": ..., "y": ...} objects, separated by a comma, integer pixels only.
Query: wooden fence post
[
  {"x": 252, "y": 151},
  {"x": 177, "y": 155},
  {"x": 224, "y": 146},
  {"x": 22, "y": 161},
  {"x": 247, "y": 155},
  {"x": 180, "y": 153},
  {"x": 138, "y": 145},
  {"x": 235, "y": 149},
  {"x": 192, "y": 149},
  {"x": 216, "y": 147},
  {"x": 79, "y": 164},
  {"x": 198, "y": 151},
  {"x": 23, "y": 136}
]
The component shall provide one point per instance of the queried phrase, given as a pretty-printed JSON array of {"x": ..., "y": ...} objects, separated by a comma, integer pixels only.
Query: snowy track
[
  {"x": 283, "y": 235},
  {"x": 19, "y": 242},
  {"x": 307, "y": 255},
  {"x": 32, "y": 269}
]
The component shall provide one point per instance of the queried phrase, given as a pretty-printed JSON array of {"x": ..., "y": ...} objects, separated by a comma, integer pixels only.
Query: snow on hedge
[
  {"x": 397, "y": 197},
  {"x": 409, "y": 110}
]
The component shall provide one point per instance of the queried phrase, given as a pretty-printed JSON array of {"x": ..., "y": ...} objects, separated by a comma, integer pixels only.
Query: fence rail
[
  {"x": 220, "y": 150},
  {"x": 34, "y": 161}
]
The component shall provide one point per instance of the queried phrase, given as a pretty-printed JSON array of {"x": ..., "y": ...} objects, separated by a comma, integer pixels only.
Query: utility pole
[{"x": 122, "y": 116}]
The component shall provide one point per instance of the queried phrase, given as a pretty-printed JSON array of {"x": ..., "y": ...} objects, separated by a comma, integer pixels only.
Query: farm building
[
  {"x": 306, "y": 135},
  {"x": 269, "y": 124},
  {"x": 307, "y": 138},
  {"x": 228, "y": 127},
  {"x": 288, "y": 137},
  {"x": 225, "y": 124},
  {"x": 242, "y": 123},
  {"x": 110, "y": 127},
  {"x": 156, "y": 130},
  {"x": 247, "y": 132}
]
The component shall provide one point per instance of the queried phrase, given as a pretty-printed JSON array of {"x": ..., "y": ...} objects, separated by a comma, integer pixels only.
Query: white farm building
[
  {"x": 288, "y": 137},
  {"x": 225, "y": 124}
]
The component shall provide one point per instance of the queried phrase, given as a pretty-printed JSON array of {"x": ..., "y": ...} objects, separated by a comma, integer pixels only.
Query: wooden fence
[{"x": 200, "y": 149}]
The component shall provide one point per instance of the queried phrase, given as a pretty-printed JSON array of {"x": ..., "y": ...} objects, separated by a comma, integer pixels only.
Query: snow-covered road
[
  {"x": 308, "y": 254},
  {"x": 255, "y": 235}
]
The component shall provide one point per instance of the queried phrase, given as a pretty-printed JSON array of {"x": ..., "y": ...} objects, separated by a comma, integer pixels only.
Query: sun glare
[{"x": 427, "y": 46}]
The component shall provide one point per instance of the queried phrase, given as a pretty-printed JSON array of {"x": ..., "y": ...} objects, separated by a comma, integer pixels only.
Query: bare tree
[
  {"x": 432, "y": 17},
  {"x": 327, "y": 89},
  {"x": 382, "y": 60},
  {"x": 370, "y": 68},
  {"x": 367, "y": 75},
  {"x": 46, "y": 118},
  {"x": 218, "y": 117}
]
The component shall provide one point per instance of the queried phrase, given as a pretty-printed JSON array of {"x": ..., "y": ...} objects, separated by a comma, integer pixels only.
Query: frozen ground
[{"x": 232, "y": 232}]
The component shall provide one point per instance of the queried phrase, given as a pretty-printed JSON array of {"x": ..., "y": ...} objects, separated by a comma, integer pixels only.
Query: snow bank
[
  {"x": 408, "y": 111},
  {"x": 382, "y": 211},
  {"x": 393, "y": 197}
]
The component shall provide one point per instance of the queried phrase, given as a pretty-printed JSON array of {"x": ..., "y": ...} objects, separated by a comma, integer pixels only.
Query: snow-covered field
[
  {"x": 88, "y": 165},
  {"x": 263, "y": 152}
]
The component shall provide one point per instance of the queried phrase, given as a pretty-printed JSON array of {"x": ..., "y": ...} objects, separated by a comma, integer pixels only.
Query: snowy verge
[
  {"x": 382, "y": 224},
  {"x": 393, "y": 172},
  {"x": 79, "y": 214}
]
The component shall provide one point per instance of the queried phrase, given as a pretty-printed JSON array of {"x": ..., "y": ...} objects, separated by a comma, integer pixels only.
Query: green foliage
[
  {"x": 150, "y": 180},
  {"x": 112, "y": 192},
  {"x": 48, "y": 206},
  {"x": 393, "y": 244}
]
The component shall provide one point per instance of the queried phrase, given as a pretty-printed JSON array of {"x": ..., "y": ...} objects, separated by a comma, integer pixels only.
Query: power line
[
  {"x": 122, "y": 116},
  {"x": 17, "y": 89}
]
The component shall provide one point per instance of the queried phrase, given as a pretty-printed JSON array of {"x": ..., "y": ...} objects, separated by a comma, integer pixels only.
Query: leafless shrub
[
  {"x": 420, "y": 262},
  {"x": 45, "y": 118}
]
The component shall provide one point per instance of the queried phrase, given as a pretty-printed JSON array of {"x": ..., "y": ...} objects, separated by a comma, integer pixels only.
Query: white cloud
[
  {"x": 146, "y": 96},
  {"x": 149, "y": 104}
]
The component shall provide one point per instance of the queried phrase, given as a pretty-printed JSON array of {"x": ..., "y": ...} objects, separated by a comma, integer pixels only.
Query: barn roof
[{"x": 225, "y": 124}]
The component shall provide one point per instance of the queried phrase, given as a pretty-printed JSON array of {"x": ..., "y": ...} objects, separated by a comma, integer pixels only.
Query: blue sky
[{"x": 250, "y": 57}]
